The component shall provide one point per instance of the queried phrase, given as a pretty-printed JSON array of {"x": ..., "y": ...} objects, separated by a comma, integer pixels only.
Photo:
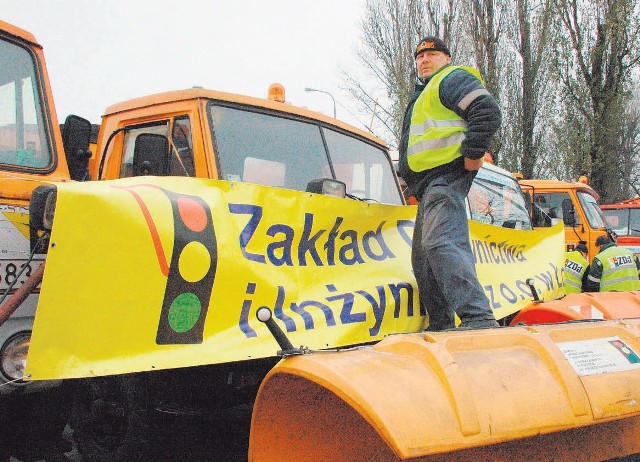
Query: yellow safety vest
[
  {"x": 619, "y": 271},
  {"x": 437, "y": 132},
  {"x": 575, "y": 266}
]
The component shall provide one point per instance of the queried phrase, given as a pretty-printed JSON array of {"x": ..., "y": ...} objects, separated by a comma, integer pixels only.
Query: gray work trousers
[{"x": 441, "y": 255}]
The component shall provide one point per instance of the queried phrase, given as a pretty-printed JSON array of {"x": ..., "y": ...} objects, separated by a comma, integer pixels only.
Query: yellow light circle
[{"x": 194, "y": 262}]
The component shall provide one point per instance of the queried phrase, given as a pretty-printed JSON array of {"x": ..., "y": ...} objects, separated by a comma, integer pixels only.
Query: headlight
[{"x": 13, "y": 358}]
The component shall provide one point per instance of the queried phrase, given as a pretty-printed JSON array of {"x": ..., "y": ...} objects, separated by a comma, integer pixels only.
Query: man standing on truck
[
  {"x": 448, "y": 126},
  {"x": 614, "y": 269},
  {"x": 576, "y": 266}
]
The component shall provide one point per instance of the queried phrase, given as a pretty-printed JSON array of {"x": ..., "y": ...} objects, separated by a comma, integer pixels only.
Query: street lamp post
[{"x": 326, "y": 93}]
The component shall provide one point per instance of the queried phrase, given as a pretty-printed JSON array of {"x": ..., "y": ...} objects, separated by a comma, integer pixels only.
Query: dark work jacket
[{"x": 483, "y": 119}]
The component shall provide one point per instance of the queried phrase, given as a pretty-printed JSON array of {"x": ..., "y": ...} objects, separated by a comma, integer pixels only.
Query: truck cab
[
  {"x": 210, "y": 134},
  {"x": 575, "y": 203},
  {"x": 623, "y": 218}
]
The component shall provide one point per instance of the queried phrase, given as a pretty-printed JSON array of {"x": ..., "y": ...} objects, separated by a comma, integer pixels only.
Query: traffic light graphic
[{"x": 192, "y": 270}]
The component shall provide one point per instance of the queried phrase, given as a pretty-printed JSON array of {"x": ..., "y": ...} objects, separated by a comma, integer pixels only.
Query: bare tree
[
  {"x": 532, "y": 33},
  {"x": 484, "y": 27},
  {"x": 391, "y": 30},
  {"x": 560, "y": 69},
  {"x": 628, "y": 164},
  {"x": 483, "y": 24},
  {"x": 599, "y": 55}
]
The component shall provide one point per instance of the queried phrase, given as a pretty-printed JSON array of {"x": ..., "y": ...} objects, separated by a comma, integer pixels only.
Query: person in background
[
  {"x": 576, "y": 269},
  {"x": 448, "y": 126},
  {"x": 613, "y": 269}
]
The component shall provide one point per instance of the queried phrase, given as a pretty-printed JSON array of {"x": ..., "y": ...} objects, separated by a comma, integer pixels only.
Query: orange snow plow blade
[
  {"x": 575, "y": 307},
  {"x": 555, "y": 392}
]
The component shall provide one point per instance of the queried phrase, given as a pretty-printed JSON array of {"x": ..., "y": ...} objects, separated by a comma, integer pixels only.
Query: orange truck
[
  {"x": 624, "y": 220},
  {"x": 517, "y": 393},
  {"x": 574, "y": 203},
  {"x": 33, "y": 152},
  {"x": 205, "y": 134}
]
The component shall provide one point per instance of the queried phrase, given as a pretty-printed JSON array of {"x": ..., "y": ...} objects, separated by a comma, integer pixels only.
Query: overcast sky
[{"x": 101, "y": 52}]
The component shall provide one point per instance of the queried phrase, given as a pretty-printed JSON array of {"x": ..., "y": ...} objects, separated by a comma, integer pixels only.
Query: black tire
[
  {"x": 110, "y": 420},
  {"x": 33, "y": 425}
]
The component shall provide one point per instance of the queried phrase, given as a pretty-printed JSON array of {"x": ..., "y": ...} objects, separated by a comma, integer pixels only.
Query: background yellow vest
[
  {"x": 575, "y": 266},
  {"x": 619, "y": 271}
]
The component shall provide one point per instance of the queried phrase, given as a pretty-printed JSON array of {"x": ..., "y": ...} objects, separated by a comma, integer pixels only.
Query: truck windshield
[
  {"x": 623, "y": 222},
  {"x": 497, "y": 199},
  {"x": 23, "y": 142},
  {"x": 272, "y": 150},
  {"x": 591, "y": 209}
]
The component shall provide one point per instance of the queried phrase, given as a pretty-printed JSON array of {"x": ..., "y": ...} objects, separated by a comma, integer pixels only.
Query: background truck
[
  {"x": 574, "y": 203},
  {"x": 623, "y": 218},
  {"x": 31, "y": 154}
]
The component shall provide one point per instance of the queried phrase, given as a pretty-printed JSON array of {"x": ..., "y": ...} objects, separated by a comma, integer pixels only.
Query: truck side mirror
[
  {"x": 76, "y": 135},
  {"x": 568, "y": 212},
  {"x": 328, "y": 187},
  {"x": 150, "y": 155},
  {"x": 41, "y": 211}
]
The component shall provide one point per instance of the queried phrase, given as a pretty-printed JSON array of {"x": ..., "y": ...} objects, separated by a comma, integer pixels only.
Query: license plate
[{"x": 10, "y": 270}]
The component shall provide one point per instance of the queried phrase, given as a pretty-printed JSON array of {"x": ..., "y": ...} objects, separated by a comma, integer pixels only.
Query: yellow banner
[
  {"x": 155, "y": 273},
  {"x": 506, "y": 258}
]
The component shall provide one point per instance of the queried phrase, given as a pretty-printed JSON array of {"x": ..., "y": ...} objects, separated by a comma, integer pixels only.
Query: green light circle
[{"x": 184, "y": 312}]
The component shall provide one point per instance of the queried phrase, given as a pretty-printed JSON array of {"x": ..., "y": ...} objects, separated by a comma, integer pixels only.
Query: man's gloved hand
[{"x": 472, "y": 164}]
